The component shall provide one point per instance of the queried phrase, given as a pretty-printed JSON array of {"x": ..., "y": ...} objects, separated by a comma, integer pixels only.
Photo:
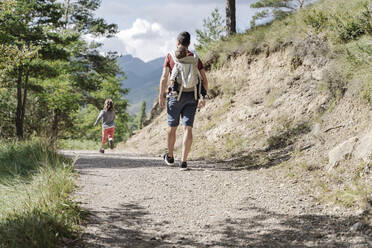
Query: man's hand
[
  {"x": 161, "y": 101},
  {"x": 201, "y": 103}
]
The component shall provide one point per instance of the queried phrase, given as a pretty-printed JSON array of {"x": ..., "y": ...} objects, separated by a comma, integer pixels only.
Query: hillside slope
[
  {"x": 142, "y": 80},
  {"x": 293, "y": 106}
]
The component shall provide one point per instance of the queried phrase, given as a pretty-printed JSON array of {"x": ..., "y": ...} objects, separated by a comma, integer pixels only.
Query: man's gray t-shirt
[{"x": 107, "y": 118}]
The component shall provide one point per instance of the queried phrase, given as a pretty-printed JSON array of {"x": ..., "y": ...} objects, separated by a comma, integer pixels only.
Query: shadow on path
[
  {"x": 125, "y": 227},
  {"x": 290, "y": 231},
  {"x": 118, "y": 227},
  {"x": 97, "y": 161}
]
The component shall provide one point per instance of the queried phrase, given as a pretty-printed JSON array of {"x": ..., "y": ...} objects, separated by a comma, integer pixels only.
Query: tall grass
[{"x": 35, "y": 205}]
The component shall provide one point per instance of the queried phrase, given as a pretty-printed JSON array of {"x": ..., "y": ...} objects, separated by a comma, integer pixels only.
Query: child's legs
[
  {"x": 110, "y": 133},
  {"x": 104, "y": 136}
]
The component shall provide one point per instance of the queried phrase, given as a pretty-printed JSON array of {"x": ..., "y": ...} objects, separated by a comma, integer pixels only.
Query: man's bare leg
[
  {"x": 187, "y": 142},
  {"x": 171, "y": 140}
]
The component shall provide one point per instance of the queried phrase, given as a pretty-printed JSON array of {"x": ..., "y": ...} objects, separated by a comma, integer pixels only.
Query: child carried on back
[{"x": 185, "y": 72}]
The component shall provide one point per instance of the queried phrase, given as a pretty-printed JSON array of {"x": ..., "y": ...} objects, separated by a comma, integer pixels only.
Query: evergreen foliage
[
  {"x": 141, "y": 117},
  {"x": 49, "y": 73},
  {"x": 213, "y": 29},
  {"x": 280, "y": 8}
]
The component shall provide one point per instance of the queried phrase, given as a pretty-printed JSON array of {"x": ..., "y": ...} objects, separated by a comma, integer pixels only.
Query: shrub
[
  {"x": 350, "y": 27},
  {"x": 316, "y": 19},
  {"x": 335, "y": 82}
]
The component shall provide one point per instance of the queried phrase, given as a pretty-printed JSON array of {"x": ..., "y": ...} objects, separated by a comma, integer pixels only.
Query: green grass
[
  {"x": 70, "y": 144},
  {"x": 35, "y": 205}
]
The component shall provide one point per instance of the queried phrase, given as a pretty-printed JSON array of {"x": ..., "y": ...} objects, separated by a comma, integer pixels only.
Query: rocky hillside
[{"x": 297, "y": 105}]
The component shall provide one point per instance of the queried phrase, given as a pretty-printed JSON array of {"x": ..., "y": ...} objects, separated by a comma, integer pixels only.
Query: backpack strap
[
  {"x": 173, "y": 55},
  {"x": 199, "y": 77},
  {"x": 175, "y": 60}
]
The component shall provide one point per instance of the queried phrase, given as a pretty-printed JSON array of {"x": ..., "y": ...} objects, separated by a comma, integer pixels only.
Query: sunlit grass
[{"x": 35, "y": 205}]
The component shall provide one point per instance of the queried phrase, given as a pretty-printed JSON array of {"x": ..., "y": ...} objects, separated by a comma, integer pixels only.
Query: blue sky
[{"x": 148, "y": 28}]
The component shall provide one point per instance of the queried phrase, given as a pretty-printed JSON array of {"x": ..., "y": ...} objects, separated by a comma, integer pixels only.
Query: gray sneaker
[{"x": 102, "y": 150}]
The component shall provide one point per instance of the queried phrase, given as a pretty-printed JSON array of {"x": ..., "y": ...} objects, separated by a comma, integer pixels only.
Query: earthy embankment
[{"x": 140, "y": 202}]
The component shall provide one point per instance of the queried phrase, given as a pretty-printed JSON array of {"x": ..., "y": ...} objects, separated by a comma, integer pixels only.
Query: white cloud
[
  {"x": 143, "y": 39},
  {"x": 147, "y": 40},
  {"x": 149, "y": 30}
]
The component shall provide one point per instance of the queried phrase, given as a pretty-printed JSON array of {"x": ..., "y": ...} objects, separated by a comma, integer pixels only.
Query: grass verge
[
  {"x": 70, "y": 144},
  {"x": 35, "y": 205}
]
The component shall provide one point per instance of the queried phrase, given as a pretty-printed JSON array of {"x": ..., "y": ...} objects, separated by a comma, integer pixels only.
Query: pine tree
[
  {"x": 213, "y": 29},
  {"x": 142, "y": 115},
  {"x": 280, "y": 8},
  {"x": 230, "y": 17}
]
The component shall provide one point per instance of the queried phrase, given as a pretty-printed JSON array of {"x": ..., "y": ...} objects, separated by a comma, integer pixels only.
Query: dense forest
[{"x": 52, "y": 81}]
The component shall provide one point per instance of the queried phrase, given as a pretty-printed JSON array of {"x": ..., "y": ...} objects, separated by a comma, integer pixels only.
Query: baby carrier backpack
[{"x": 189, "y": 73}]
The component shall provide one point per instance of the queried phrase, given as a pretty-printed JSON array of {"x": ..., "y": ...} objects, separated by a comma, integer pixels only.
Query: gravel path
[{"x": 140, "y": 202}]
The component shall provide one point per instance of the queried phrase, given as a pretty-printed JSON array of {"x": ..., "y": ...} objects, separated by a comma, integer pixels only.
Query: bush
[
  {"x": 335, "y": 83},
  {"x": 367, "y": 92},
  {"x": 350, "y": 27},
  {"x": 316, "y": 19}
]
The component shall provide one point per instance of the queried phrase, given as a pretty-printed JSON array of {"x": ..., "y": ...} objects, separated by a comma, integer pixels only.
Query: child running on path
[{"x": 108, "y": 125}]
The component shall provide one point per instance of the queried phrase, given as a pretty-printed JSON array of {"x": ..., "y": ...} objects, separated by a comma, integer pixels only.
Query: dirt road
[{"x": 140, "y": 202}]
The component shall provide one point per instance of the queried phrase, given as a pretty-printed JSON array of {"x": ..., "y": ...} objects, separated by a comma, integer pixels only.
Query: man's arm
[
  {"x": 163, "y": 85},
  {"x": 201, "y": 103},
  {"x": 204, "y": 78}
]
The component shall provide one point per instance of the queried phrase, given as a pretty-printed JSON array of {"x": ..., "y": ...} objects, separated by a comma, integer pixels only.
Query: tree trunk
[
  {"x": 230, "y": 17},
  {"x": 54, "y": 131},
  {"x": 25, "y": 97},
  {"x": 19, "y": 119},
  {"x": 300, "y": 3},
  {"x": 67, "y": 6},
  {"x": 21, "y": 102}
]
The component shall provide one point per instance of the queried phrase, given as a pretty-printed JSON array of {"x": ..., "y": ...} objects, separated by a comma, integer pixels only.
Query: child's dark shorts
[{"x": 185, "y": 107}]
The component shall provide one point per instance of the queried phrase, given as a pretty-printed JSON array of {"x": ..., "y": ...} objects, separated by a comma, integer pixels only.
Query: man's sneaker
[
  {"x": 168, "y": 160},
  {"x": 102, "y": 150},
  {"x": 183, "y": 166},
  {"x": 111, "y": 142}
]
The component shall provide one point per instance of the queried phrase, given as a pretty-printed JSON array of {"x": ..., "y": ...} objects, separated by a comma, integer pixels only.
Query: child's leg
[
  {"x": 104, "y": 136},
  {"x": 110, "y": 133}
]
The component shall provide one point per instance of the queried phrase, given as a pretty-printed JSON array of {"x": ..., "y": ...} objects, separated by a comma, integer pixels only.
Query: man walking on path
[{"x": 184, "y": 107}]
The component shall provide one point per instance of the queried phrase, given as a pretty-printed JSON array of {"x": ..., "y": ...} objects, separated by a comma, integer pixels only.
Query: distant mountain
[{"x": 142, "y": 78}]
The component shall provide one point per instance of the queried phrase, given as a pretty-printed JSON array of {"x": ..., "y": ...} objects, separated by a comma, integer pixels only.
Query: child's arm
[
  {"x": 174, "y": 74},
  {"x": 98, "y": 118}
]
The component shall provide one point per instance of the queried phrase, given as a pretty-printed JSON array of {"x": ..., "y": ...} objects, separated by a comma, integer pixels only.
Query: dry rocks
[{"x": 355, "y": 147}]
